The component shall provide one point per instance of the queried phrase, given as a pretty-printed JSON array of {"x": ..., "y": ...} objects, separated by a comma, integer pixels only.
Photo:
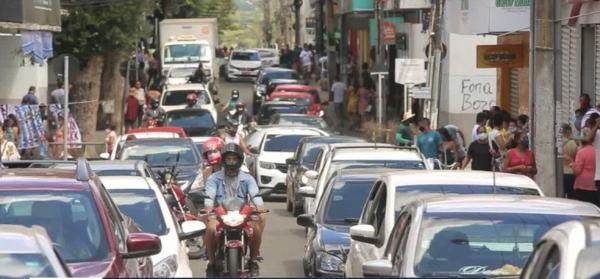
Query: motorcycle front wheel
[{"x": 234, "y": 260}]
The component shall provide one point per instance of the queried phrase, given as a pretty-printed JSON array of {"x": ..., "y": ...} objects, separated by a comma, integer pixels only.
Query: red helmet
[
  {"x": 192, "y": 96},
  {"x": 211, "y": 150}
]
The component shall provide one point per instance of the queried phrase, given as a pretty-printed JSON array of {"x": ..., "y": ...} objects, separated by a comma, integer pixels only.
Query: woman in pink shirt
[{"x": 584, "y": 169}]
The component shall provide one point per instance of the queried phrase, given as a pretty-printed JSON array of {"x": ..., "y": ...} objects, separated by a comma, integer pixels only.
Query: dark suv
[
  {"x": 87, "y": 228},
  {"x": 265, "y": 76}
]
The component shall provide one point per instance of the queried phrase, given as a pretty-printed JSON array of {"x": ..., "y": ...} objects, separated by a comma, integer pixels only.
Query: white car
[
  {"x": 179, "y": 75},
  {"x": 175, "y": 97},
  {"x": 141, "y": 199},
  {"x": 269, "y": 57},
  {"x": 569, "y": 250},
  {"x": 473, "y": 236},
  {"x": 355, "y": 155},
  {"x": 395, "y": 190},
  {"x": 268, "y": 165},
  {"x": 244, "y": 64},
  {"x": 144, "y": 134}
]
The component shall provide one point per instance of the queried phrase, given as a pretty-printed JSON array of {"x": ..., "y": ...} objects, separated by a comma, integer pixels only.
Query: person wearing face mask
[
  {"x": 235, "y": 98},
  {"x": 211, "y": 155},
  {"x": 233, "y": 134},
  {"x": 154, "y": 115},
  {"x": 429, "y": 141},
  {"x": 481, "y": 152},
  {"x": 520, "y": 159}
]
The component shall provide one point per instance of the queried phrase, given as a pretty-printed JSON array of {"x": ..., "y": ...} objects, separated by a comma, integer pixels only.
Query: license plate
[{"x": 245, "y": 72}]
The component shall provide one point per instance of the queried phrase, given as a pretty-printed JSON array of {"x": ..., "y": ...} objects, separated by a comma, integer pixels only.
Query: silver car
[
  {"x": 470, "y": 235},
  {"x": 569, "y": 250}
]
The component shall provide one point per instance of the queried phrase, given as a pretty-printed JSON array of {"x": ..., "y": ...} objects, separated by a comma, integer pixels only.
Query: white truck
[{"x": 186, "y": 42}]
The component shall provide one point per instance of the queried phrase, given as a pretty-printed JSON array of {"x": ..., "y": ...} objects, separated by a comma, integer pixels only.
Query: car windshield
[
  {"x": 266, "y": 54},
  {"x": 195, "y": 123},
  {"x": 181, "y": 72},
  {"x": 479, "y": 244},
  {"x": 139, "y": 205},
  {"x": 179, "y": 97},
  {"x": 161, "y": 153},
  {"x": 268, "y": 111},
  {"x": 282, "y": 143},
  {"x": 406, "y": 194},
  {"x": 304, "y": 121},
  {"x": 70, "y": 218},
  {"x": 345, "y": 202},
  {"x": 117, "y": 172},
  {"x": 24, "y": 266},
  {"x": 245, "y": 56},
  {"x": 389, "y": 164},
  {"x": 185, "y": 53}
]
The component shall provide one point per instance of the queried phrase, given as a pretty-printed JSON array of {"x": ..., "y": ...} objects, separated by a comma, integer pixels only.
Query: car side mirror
[
  {"x": 142, "y": 245},
  {"x": 307, "y": 192},
  {"x": 104, "y": 156},
  {"x": 254, "y": 150},
  {"x": 377, "y": 268},
  {"x": 191, "y": 229},
  {"x": 305, "y": 220},
  {"x": 311, "y": 174},
  {"x": 291, "y": 161},
  {"x": 363, "y": 233}
]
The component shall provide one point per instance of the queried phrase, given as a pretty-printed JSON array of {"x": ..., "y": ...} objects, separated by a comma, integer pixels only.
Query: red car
[
  {"x": 300, "y": 98},
  {"x": 297, "y": 88},
  {"x": 86, "y": 227}
]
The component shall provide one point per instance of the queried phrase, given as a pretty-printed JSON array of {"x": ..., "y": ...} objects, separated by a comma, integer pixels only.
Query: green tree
[{"x": 221, "y": 9}]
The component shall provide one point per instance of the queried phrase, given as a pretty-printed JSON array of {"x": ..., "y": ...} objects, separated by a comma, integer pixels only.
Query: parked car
[
  {"x": 264, "y": 77},
  {"x": 142, "y": 200},
  {"x": 199, "y": 124},
  {"x": 393, "y": 191},
  {"x": 180, "y": 75},
  {"x": 243, "y": 64},
  {"x": 295, "y": 119},
  {"x": 313, "y": 107},
  {"x": 268, "y": 109},
  {"x": 164, "y": 154},
  {"x": 297, "y": 88},
  {"x": 466, "y": 236},
  {"x": 304, "y": 159},
  {"x": 569, "y": 250},
  {"x": 87, "y": 229},
  {"x": 268, "y": 165},
  {"x": 269, "y": 57},
  {"x": 356, "y": 155},
  {"x": 328, "y": 234},
  {"x": 144, "y": 133},
  {"x": 28, "y": 252},
  {"x": 175, "y": 97},
  {"x": 274, "y": 83}
]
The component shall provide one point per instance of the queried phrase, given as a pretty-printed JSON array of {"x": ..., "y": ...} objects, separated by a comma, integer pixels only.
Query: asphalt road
[{"x": 283, "y": 240}]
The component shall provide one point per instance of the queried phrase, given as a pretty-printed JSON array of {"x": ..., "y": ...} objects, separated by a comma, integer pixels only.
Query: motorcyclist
[
  {"x": 192, "y": 101},
  {"x": 227, "y": 183},
  {"x": 199, "y": 76},
  {"x": 154, "y": 112},
  {"x": 233, "y": 134},
  {"x": 241, "y": 115},
  {"x": 211, "y": 154},
  {"x": 235, "y": 97}
]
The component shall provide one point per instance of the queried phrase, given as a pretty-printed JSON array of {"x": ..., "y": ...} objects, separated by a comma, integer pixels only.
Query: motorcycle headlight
[
  {"x": 329, "y": 262},
  {"x": 166, "y": 268},
  {"x": 233, "y": 219},
  {"x": 267, "y": 165}
]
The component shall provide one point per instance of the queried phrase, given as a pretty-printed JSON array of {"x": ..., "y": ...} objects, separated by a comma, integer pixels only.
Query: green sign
[{"x": 512, "y": 3}]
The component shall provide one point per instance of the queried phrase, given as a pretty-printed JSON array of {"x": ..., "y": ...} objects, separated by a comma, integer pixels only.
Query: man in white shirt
[
  {"x": 306, "y": 57},
  {"x": 339, "y": 93}
]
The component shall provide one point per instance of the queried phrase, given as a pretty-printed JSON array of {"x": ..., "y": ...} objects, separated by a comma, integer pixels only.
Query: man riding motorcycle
[
  {"x": 230, "y": 106},
  {"x": 154, "y": 115},
  {"x": 230, "y": 183},
  {"x": 233, "y": 134},
  {"x": 211, "y": 153}
]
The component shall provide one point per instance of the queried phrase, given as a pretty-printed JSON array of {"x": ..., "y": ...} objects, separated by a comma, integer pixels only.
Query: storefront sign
[
  {"x": 414, "y": 4},
  {"x": 389, "y": 32},
  {"x": 410, "y": 71},
  {"x": 487, "y": 16},
  {"x": 500, "y": 56},
  {"x": 421, "y": 93}
]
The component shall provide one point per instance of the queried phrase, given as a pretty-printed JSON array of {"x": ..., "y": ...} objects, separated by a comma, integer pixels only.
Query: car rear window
[
  {"x": 283, "y": 143},
  {"x": 179, "y": 97},
  {"x": 25, "y": 265},
  {"x": 245, "y": 56},
  {"x": 139, "y": 205}
]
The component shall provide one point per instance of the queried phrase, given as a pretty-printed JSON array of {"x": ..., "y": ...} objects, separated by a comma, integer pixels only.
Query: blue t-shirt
[{"x": 428, "y": 143}]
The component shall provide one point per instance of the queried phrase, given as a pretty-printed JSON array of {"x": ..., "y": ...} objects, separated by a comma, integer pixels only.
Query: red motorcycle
[{"x": 233, "y": 236}]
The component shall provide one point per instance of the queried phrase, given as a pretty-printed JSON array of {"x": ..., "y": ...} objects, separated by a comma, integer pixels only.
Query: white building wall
[
  {"x": 305, "y": 12},
  {"x": 16, "y": 74}
]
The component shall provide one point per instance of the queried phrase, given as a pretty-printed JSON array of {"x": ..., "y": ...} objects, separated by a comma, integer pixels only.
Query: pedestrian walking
[
  {"x": 405, "y": 133},
  {"x": 569, "y": 153},
  {"x": 449, "y": 148},
  {"x": 338, "y": 89},
  {"x": 480, "y": 121},
  {"x": 584, "y": 169},
  {"x": 352, "y": 106},
  {"x": 57, "y": 96},
  {"x": 30, "y": 98},
  {"x": 481, "y": 152},
  {"x": 111, "y": 139},
  {"x": 520, "y": 159},
  {"x": 8, "y": 150},
  {"x": 140, "y": 95},
  {"x": 131, "y": 110},
  {"x": 429, "y": 141},
  {"x": 306, "y": 58}
]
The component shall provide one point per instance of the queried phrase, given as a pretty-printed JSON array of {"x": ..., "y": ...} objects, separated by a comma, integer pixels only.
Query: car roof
[
  {"x": 294, "y": 87},
  {"x": 115, "y": 164},
  {"x": 509, "y": 204},
  {"x": 194, "y": 110},
  {"x": 17, "y": 239},
  {"x": 186, "y": 86},
  {"x": 246, "y": 50},
  {"x": 331, "y": 139},
  {"x": 279, "y": 103},
  {"x": 354, "y": 151},
  {"x": 125, "y": 183},
  {"x": 152, "y": 140},
  {"x": 276, "y": 69},
  {"x": 298, "y": 115},
  {"x": 40, "y": 179},
  {"x": 453, "y": 177},
  {"x": 283, "y": 80},
  {"x": 360, "y": 173},
  {"x": 290, "y": 93},
  {"x": 175, "y": 130},
  {"x": 292, "y": 130}
]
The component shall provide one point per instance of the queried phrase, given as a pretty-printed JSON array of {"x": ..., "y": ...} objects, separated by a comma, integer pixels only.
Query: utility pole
[
  {"x": 267, "y": 22},
  {"x": 296, "y": 7},
  {"x": 380, "y": 43},
  {"x": 543, "y": 92},
  {"x": 332, "y": 70},
  {"x": 320, "y": 27},
  {"x": 432, "y": 106}
]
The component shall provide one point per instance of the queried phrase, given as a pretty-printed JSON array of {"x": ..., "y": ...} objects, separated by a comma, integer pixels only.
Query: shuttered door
[
  {"x": 570, "y": 82},
  {"x": 514, "y": 91},
  {"x": 597, "y": 68}
]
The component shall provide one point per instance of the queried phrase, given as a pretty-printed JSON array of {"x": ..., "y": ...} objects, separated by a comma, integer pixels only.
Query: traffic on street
[{"x": 290, "y": 138}]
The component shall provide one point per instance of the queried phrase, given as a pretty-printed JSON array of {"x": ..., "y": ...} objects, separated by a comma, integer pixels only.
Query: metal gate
[
  {"x": 514, "y": 91},
  {"x": 570, "y": 46}
]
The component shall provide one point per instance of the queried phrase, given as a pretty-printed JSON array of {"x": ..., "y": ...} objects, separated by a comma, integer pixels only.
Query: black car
[
  {"x": 265, "y": 76},
  {"x": 162, "y": 154},
  {"x": 328, "y": 237},
  {"x": 268, "y": 109},
  {"x": 196, "y": 122},
  {"x": 304, "y": 160}
]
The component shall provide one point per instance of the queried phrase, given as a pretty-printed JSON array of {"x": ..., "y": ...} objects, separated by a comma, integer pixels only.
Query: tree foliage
[{"x": 221, "y": 9}]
